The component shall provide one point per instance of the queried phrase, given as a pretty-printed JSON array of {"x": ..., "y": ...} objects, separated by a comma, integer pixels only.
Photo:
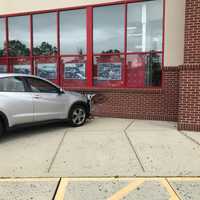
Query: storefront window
[
  {"x": 109, "y": 29},
  {"x": 19, "y": 36},
  {"x": 73, "y": 32},
  {"x": 44, "y": 34},
  {"x": 144, "y": 30},
  {"x": 67, "y": 51},
  {"x": 2, "y": 37}
]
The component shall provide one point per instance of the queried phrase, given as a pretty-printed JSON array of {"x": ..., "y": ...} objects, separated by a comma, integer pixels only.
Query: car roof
[{"x": 2, "y": 75}]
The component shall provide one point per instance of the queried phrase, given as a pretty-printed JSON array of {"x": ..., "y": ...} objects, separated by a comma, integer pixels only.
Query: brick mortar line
[
  {"x": 132, "y": 146},
  {"x": 57, "y": 150}
]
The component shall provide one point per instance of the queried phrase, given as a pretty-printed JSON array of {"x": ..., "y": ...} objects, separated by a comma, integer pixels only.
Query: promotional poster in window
[
  {"x": 74, "y": 71},
  {"x": 22, "y": 69},
  {"x": 109, "y": 71},
  {"x": 3, "y": 69},
  {"x": 47, "y": 70}
]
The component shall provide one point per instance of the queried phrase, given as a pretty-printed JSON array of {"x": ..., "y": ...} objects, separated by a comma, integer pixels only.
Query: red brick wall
[
  {"x": 189, "y": 100},
  {"x": 155, "y": 104},
  {"x": 189, "y": 75},
  {"x": 192, "y": 32}
]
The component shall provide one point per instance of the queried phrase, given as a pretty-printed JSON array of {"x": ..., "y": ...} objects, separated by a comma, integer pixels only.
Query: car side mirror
[{"x": 61, "y": 91}]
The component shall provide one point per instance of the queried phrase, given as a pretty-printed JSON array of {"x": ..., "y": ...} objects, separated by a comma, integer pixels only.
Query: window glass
[
  {"x": 2, "y": 36},
  {"x": 109, "y": 29},
  {"x": 144, "y": 70},
  {"x": 12, "y": 84},
  {"x": 19, "y": 36},
  {"x": 144, "y": 27},
  {"x": 41, "y": 86},
  {"x": 44, "y": 34},
  {"x": 73, "y": 32}
]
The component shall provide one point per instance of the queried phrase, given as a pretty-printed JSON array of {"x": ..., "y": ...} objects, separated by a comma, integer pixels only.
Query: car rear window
[{"x": 12, "y": 84}]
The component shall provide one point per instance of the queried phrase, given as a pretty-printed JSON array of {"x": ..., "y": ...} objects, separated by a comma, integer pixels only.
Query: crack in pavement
[
  {"x": 132, "y": 146},
  {"x": 57, "y": 150},
  {"x": 190, "y": 138}
]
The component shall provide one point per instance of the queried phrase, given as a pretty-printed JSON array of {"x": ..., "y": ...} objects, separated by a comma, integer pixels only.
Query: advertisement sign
[
  {"x": 3, "y": 68},
  {"x": 109, "y": 71},
  {"x": 22, "y": 69},
  {"x": 74, "y": 71},
  {"x": 47, "y": 70}
]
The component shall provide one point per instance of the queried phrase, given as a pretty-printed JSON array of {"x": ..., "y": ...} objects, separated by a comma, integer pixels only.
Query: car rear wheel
[
  {"x": 1, "y": 128},
  {"x": 77, "y": 115}
]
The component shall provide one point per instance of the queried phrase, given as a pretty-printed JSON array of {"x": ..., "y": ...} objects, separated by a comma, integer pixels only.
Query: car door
[
  {"x": 18, "y": 102},
  {"x": 48, "y": 102}
]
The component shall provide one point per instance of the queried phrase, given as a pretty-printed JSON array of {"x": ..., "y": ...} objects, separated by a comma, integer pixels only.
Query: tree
[
  {"x": 1, "y": 52},
  {"x": 17, "y": 48},
  {"x": 45, "y": 49}
]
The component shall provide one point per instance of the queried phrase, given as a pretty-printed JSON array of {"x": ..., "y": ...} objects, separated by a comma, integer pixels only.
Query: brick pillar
[{"x": 189, "y": 75}]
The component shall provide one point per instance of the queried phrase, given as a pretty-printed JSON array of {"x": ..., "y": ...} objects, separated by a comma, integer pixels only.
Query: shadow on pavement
[{"x": 33, "y": 130}]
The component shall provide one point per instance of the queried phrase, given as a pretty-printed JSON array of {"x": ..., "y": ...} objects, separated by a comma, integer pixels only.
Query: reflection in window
[
  {"x": 41, "y": 86},
  {"x": 19, "y": 36},
  {"x": 144, "y": 30},
  {"x": 12, "y": 84},
  {"x": 144, "y": 70},
  {"x": 109, "y": 29},
  {"x": 44, "y": 34},
  {"x": 2, "y": 37},
  {"x": 73, "y": 32}
]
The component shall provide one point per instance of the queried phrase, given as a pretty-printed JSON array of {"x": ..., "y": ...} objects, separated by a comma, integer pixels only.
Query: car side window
[
  {"x": 12, "y": 84},
  {"x": 40, "y": 86}
]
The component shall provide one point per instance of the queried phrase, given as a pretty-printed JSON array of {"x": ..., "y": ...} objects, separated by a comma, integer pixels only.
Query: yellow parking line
[
  {"x": 60, "y": 195},
  {"x": 126, "y": 190},
  {"x": 172, "y": 193}
]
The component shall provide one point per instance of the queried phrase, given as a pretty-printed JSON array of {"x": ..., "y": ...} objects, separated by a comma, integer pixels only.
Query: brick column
[{"x": 189, "y": 74}]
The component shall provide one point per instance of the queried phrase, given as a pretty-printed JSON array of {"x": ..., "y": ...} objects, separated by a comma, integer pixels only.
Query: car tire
[
  {"x": 1, "y": 128},
  {"x": 77, "y": 115}
]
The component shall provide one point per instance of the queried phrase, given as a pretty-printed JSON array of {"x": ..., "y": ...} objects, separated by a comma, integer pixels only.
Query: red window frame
[{"x": 89, "y": 27}]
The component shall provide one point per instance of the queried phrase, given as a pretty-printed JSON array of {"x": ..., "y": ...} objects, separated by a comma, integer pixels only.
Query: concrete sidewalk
[
  {"x": 100, "y": 189},
  {"x": 104, "y": 147}
]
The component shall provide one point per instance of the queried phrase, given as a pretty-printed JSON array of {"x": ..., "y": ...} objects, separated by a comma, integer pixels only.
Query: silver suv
[{"x": 27, "y": 99}]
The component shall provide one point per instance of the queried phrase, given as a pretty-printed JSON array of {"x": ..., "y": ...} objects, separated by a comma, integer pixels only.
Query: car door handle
[{"x": 36, "y": 96}]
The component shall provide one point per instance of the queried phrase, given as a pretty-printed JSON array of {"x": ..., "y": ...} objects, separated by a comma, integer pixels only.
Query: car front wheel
[{"x": 77, "y": 116}]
